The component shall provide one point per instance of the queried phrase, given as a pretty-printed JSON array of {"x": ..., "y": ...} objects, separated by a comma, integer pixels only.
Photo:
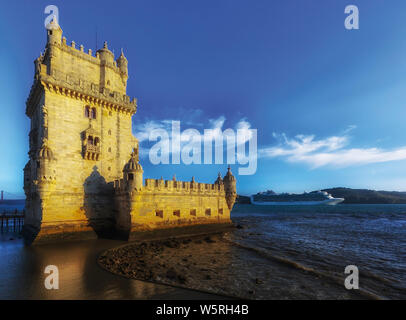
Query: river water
[
  {"x": 323, "y": 239},
  {"x": 326, "y": 239}
]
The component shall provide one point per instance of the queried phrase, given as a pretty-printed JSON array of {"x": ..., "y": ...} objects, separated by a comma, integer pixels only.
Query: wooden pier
[{"x": 12, "y": 221}]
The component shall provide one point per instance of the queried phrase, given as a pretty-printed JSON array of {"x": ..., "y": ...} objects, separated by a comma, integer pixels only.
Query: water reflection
[{"x": 80, "y": 277}]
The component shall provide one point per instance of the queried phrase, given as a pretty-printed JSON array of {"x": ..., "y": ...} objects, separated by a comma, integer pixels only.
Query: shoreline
[{"x": 212, "y": 264}]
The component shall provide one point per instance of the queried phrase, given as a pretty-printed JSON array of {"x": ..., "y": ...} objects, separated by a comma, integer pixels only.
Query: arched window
[
  {"x": 87, "y": 112},
  {"x": 90, "y": 140},
  {"x": 96, "y": 141},
  {"x": 93, "y": 113}
]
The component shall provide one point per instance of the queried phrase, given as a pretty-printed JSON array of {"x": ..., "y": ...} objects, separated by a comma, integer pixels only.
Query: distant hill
[{"x": 364, "y": 196}]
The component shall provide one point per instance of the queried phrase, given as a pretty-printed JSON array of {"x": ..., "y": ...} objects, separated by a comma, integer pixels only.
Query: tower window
[
  {"x": 87, "y": 112},
  {"x": 96, "y": 141},
  {"x": 130, "y": 176},
  {"x": 93, "y": 113},
  {"x": 176, "y": 213},
  {"x": 109, "y": 132},
  {"x": 159, "y": 213}
]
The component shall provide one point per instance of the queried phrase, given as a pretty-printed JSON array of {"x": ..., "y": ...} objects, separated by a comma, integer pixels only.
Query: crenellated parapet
[{"x": 160, "y": 186}]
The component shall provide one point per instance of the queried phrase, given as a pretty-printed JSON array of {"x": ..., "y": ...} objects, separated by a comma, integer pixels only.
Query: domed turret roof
[
  {"x": 229, "y": 176},
  {"x": 133, "y": 164},
  {"x": 219, "y": 179},
  {"x": 122, "y": 57},
  {"x": 53, "y": 25},
  {"x": 105, "y": 53}
]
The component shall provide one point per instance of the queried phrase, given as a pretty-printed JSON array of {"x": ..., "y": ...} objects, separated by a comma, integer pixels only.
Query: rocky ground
[{"x": 213, "y": 264}]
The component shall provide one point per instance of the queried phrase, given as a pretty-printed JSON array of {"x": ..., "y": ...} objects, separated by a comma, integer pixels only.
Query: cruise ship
[{"x": 282, "y": 199}]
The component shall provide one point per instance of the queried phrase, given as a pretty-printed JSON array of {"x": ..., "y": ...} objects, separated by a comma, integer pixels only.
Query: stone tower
[
  {"x": 230, "y": 188},
  {"x": 80, "y": 139}
]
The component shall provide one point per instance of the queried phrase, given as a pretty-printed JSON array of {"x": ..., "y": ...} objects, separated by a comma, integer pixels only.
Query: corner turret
[
  {"x": 219, "y": 180},
  {"x": 230, "y": 188},
  {"x": 133, "y": 173},
  {"x": 105, "y": 54},
  {"x": 54, "y": 34},
  {"x": 122, "y": 63}
]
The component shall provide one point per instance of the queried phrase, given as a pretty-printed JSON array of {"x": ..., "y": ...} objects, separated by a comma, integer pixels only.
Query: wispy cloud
[
  {"x": 143, "y": 131},
  {"x": 331, "y": 151}
]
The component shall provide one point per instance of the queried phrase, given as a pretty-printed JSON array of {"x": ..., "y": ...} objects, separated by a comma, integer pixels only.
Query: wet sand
[
  {"x": 215, "y": 265},
  {"x": 22, "y": 274}
]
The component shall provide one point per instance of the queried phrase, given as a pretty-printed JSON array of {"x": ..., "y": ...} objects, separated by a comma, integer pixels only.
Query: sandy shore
[{"x": 215, "y": 265}]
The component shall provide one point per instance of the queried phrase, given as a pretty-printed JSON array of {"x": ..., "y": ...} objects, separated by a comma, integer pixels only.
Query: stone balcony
[{"x": 91, "y": 152}]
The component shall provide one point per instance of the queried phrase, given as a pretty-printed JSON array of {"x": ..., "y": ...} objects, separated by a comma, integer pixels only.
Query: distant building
[{"x": 84, "y": 176}]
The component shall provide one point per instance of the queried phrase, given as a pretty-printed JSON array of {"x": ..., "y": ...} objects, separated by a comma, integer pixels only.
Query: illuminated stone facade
[{"x": 84, "y": 178}]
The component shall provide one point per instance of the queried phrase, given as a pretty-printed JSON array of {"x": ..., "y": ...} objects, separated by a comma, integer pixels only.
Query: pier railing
[{"x": 12, "y": 221}]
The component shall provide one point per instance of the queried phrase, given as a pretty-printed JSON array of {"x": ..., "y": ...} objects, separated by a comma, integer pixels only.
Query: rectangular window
[
  {"x": 208, "y": 212},
  {"x": 176, "y": 213},
  {"x": 193, "y": 212},
  {"x": 220, "y": 211},
  {"x": 159, "y": 213}
]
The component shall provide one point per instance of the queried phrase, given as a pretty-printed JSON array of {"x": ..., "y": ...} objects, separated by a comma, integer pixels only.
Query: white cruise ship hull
[{"x": 330, "y": 202}]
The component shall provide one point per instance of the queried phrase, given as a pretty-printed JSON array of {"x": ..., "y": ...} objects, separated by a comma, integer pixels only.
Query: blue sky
[{"x": 329, "y": 104}]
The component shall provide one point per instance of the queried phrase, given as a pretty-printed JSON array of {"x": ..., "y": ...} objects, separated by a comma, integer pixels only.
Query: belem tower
[{"x": 84, "y": 178}]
